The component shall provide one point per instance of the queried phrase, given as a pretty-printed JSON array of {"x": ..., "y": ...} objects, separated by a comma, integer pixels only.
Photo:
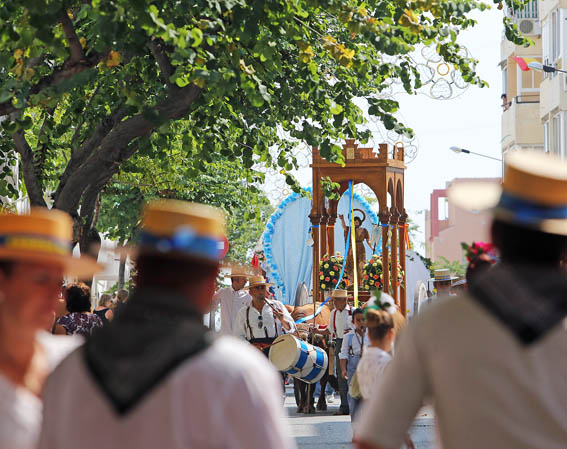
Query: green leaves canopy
[{"x": 86, "y": 85}]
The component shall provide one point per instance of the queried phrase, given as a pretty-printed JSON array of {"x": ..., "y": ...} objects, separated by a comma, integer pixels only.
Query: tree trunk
[{"x": 121, "y": 271}]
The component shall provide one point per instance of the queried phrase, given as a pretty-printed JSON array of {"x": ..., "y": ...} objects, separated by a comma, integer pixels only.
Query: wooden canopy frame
[{"x": 385, "y": 177}]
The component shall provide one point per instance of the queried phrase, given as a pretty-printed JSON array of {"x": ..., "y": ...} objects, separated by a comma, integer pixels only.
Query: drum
[{"x": 298, "y": 358}]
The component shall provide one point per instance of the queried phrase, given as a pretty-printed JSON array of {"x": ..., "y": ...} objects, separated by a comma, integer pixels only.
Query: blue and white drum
[{"x": 298, "y": 358}]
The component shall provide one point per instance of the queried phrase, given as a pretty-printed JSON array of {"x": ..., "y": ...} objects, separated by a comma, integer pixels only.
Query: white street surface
[{"x": 325, "y": 431}]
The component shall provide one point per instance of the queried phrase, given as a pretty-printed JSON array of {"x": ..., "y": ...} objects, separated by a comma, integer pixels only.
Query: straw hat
[
  {"x": 43, "y": 236},
  {"x": 256, "y": 281},
  {"x": 182, "y": 229},
  {"x": 339, "y": 294},
  {"x": 238, "y": 272},
  {"x": 442, "y": 275},
  {"x": 533, "y": 194}
]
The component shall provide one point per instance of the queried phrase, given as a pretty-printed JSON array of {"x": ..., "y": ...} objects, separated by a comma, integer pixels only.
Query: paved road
[{"x": 325, "y": 431}]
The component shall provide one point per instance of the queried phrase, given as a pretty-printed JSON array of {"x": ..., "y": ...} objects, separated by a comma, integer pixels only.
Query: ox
[{"x": 304, "y": 393}]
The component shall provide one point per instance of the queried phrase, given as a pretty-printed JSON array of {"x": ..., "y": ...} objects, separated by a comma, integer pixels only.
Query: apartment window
[
  {"x": 546, "y": 136},
  {"x": 505, "y": 80},
  {"x": 563, "y": 141},
  {"x": 556, "y": 132}
]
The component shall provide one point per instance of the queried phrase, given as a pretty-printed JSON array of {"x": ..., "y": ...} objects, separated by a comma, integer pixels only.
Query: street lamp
[
  {"x": 544, "y": 68},
  {"x": 463, "y": 150}
]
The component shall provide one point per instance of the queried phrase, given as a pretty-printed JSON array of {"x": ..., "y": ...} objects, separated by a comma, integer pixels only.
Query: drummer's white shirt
[
  {"x": 268, "y": 321},
  {"x": 229, "y": 396}
]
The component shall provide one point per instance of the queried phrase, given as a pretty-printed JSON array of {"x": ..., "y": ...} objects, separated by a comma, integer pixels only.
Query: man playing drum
[{"x": 262, "y": 320}]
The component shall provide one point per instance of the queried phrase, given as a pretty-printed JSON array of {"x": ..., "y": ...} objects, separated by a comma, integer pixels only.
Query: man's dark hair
[
  {"x": 477, "y": 265},
  {"x": 358, "y": 219},
  {"x": 171, "y": 273},
  {"x": 78, "y": 298},
  {"x": 6, "y": 266},
  {"x": 519, "y": 244}
]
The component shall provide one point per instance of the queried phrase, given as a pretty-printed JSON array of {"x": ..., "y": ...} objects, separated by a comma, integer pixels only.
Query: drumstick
[{"x": 279, "y": 311}]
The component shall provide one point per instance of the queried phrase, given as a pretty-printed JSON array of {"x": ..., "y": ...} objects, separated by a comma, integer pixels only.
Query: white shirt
[
  {"x": 20, "y": 410},
  {"x": 231, "y": 301},
  {"x": 370, "y": 369},
  {"x": 228, "y": 396},
  {"x": 357, "y": 344},
  {"x": 342, "y": 320},
  {"x": 268, "y": 326},
  {"x": 489, "y": 390}
]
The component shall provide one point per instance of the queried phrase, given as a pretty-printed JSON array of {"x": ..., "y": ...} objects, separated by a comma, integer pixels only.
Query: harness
[
  {"x": 349, "y": 309},
  {"x": 361, "y": 342},
  {"x": 251, "y": 334}
]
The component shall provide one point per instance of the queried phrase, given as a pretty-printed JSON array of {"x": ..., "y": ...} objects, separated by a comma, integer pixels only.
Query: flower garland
[
  {"x": 330, "y": 272},
  {"x": 372, "y": 274}
]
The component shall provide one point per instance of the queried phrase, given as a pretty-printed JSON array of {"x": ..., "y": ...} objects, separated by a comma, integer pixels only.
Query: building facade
[
  {"x": 553, "y": 89},
  {"x": 521, "y": 124},
  {"x": 535, "y": 108},
  {"x": 446, "y": 226}
]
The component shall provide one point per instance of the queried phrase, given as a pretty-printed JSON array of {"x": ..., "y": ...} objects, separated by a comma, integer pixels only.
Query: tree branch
[
  {"x": 82, "y": 119},
  {"x": 77, "y": 53},
  {"x": 114, "y": 147},
  {"x": 58, "y": 75},
  {"x": 156, "y": 46},
  {"x": 79, "y": 156},
  {"x": 33, "y": 187}
]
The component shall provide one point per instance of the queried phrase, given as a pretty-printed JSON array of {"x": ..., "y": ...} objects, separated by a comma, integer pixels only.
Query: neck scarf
[
  {"x": 528, "y": 300},
  {"x": 152, "y": 334}
]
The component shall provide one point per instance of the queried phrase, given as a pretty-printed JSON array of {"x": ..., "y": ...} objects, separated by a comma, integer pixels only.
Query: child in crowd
[{"x": 383, "y": 322}]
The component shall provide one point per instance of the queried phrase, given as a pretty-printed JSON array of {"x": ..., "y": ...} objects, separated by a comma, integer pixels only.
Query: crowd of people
[{"x": 491, "y": 359}]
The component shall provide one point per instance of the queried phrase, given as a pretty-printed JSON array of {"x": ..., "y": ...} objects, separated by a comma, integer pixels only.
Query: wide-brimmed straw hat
[
  {"x": 256, "y": 281},
  {"x": 339, "y": 294},
  {"x": 238, "y": 272},
  {"x": 43, "y": 236},
  {"x": 442, "y": 275},
  {"x": 533, "y": 193},
  {"x": 181, "y": 229}
]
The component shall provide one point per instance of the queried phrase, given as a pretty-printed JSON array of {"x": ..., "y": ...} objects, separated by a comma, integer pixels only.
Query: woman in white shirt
[
  {"x": 376, "y": 357},
  {"x": 381, "y": 327},
  {"x": 34, "y": 255}
]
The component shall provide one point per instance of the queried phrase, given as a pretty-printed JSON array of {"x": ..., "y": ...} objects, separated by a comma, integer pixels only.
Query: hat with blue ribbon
[
  {"x": 43, "y": 236},
  {"x": 533, "y": 193},
  {"x": 182, "y": 229}
]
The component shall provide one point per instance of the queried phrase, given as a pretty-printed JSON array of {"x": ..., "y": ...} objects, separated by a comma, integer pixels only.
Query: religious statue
[{"x": 361, "y": 234}]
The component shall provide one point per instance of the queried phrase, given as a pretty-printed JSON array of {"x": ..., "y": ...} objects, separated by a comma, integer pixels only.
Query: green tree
[
  {"x": 85, "y": 85},
  {"x": 222, "y": 183},
  {"x": 454, "y": 266}
]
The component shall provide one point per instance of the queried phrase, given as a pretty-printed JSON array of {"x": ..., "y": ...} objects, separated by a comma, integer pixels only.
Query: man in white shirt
[
  {"x": 231, "y": 300},
  {"x": 493, "y": 360},
  {"x": 340, "y": 323},
  {"x": 155, "y": 377},
  {"x": 262, "y": 321}
]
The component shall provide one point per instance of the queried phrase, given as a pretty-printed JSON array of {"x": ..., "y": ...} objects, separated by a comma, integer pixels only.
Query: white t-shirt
[
  {"x": 228, "y": 396},
  {"x": 357, "y": 344},
  {"x": 489, "y": 390},
  {"x": 262, "y": 324},
  {"x": 340, "y": 322},
  {"x": 370, "y": 369},
  {"x": 20, "y": 410},
  {"x": 231, "y": 302}
]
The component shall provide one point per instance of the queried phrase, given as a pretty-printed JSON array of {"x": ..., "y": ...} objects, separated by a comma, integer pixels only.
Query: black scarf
[
  {"x": 151, "y": 335},
  {"x": 528, "y": 300}
]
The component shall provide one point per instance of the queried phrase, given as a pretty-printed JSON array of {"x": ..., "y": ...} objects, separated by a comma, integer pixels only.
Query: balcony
[
  {"x": 521, "y": 123},
  {"x": 530, "y": 11}
]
